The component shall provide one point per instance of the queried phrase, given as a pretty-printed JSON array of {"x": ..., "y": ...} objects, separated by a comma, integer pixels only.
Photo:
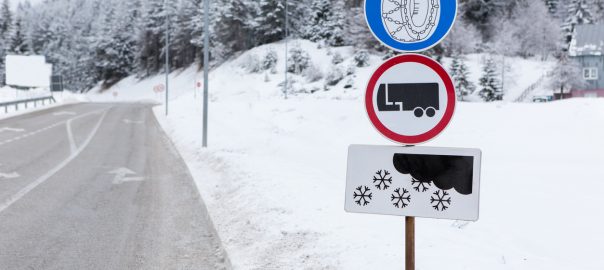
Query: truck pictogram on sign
[{"x": 421, "y": 98}]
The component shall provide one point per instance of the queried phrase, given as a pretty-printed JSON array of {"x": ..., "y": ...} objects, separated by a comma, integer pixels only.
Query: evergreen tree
[
  {"x": 233, "y": 26},
  {"x": 16, "y": 40},
  {"x": 271, "y": 21},
  {"x": 490, "y": 87},
  {"x": 459, "y": 72},
  {"x": 114, "y": 53},
  {"x": 320, "y": 13},
  {"x": 150, "y": 38},
  {"x": 5, "y": 26},
  {"x": 335, "y": 34},
  {"x": 553, "y": 7}
]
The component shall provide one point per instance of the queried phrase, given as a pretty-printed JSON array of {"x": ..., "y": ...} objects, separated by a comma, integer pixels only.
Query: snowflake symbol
[
  {"x": 442, "y": 201},
  {"x": 381, "y": 179},
  {"x": 420, "y": 186},
  {"x": 363, "y": 196},
  {"x": 399, "y": 199}
]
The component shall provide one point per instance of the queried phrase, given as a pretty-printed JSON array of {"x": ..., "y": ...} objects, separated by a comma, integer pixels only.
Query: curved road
[{"x": 99, "y": 186}]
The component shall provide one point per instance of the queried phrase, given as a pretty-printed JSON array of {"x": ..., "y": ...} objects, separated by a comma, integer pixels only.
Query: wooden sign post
[{"x": 409, "y": 243}]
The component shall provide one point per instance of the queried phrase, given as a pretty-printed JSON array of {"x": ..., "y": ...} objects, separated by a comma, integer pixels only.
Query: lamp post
[
  {"x": 206, "y": 70},
  {"x": 286, "y": 84},
  {"x": 167, "y": 54}
]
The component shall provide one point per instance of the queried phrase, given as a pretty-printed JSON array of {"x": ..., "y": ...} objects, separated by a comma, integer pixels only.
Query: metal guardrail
[{"x": 35, "y": 101}]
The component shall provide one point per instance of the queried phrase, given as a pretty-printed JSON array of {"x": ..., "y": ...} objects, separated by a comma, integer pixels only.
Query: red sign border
[{"x": 451, "y": 99}]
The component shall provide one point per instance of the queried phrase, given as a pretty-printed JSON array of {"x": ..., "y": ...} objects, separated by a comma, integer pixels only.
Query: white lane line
[
  {"x": 48, "y": 127},
  {"x": 72, "y": 144},
  {"x": 64, "y": 113},
  {"x": 14, "y": 198}
]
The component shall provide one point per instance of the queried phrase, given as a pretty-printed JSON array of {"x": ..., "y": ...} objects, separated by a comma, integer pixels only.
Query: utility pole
[
  {"x": 167, "y": 54},
  {"x": 286, "y": 84},
  {"x": 206, "y": 69}
]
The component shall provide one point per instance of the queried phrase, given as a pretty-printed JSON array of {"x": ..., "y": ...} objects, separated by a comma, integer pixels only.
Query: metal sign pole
[
  {"x": 206, "y": 70},
  {"x": 286, "y": 85},
  {"x": 409, "y": 243}
]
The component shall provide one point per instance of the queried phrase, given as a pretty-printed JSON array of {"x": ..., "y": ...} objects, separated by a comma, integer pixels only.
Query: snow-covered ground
[{"x": 273, "y": 177}]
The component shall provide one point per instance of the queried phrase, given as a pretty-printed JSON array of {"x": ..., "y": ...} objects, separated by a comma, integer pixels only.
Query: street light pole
[
  {"x": 286, "y": 84},
  {"x": 167, "y": 53},
  {"x": 206, "y": 70}
]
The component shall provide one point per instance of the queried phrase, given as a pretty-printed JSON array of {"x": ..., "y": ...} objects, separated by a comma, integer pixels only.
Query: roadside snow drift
[{"x": 274, "y": 176}]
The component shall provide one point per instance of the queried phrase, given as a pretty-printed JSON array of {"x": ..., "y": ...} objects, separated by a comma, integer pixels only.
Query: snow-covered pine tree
[
  {"x": 196, "y": 24},
  {"x": 578, "y": 12},
  {"x": 357, "y": 32},
  {"x": 598, "y": 10},
  {"x": 5, "y": 25},
  {"x": 16, "y": 43},
  {"x": 490, "y": 87},
  {"x": 184, "y": 51},
  {"x": 320, "y": 13},
  {"x": 114, "y": 50},
  {"x": 459, "y": 72},
  {"x": 270, "y": 21},
  {"x": 553, "y": 7},
  {"x": 150, "y": 38},
  {"x": 336, "y": 23},
  {"x": 233, "y": 27}
]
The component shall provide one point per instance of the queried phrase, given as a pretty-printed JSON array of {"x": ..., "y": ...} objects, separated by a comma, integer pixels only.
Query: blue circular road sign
[{"x": 410, "y": 25}]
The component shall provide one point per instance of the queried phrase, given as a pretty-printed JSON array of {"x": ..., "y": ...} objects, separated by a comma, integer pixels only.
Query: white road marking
[
  {"x": 72, "y": 144},
  {"x": 128, "y": 121},
  {"x": 12, "y": 175},
  {"x": 48, "y": 127},
  {"x": 11, "y": 129},
  {"x": 14, "y": 198},
  {"x": 63, "y": 113},
  {"x": 122, "y": 176}
]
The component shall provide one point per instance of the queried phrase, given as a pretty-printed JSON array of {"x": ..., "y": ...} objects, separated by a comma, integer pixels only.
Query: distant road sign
[
  {"x": 410, "y": 99},
  {"x": 56, "y": 83},
  {"x": 410, "y": 25},
  {"x": 426, "y": 182},
  {"x": 159, "y": 88}
]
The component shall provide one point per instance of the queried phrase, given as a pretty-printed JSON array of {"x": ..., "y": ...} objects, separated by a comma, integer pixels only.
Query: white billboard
[{"x": 28, "y": 71}]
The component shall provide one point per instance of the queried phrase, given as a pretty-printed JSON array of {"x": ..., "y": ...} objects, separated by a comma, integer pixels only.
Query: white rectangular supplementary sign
[{"x": 428, "y": 182}]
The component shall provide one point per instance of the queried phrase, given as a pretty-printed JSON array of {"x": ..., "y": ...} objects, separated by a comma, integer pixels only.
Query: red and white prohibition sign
[{"x": 410, "y": 99}]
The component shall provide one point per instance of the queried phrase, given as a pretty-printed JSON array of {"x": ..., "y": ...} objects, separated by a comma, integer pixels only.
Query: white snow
[{"x": 273, "y": 178}]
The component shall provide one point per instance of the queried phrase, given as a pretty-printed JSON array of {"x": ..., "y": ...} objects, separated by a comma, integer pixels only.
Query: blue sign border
[{"x": 373, "y": 15}]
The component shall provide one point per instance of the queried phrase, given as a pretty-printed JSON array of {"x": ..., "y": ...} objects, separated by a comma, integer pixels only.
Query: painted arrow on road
[
  {"x": 123, "y": 175},
  {"x": 63, "y": 113}
]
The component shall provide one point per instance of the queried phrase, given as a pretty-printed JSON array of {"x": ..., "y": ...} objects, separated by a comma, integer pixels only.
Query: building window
[{"x": 590, "y": 74}]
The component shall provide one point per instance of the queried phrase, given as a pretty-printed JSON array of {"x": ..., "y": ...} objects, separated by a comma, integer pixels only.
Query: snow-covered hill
[{"x": 274, "y": 175}]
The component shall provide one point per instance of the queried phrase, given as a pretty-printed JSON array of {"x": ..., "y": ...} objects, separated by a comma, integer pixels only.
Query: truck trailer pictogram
[{"x": 421, "y": 98}]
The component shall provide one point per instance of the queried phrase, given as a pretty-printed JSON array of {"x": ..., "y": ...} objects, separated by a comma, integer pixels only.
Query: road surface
[{"x": 99, "y": 186}]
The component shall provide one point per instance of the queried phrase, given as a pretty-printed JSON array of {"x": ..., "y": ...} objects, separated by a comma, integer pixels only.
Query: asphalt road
[{"x": 99, "y": 186}]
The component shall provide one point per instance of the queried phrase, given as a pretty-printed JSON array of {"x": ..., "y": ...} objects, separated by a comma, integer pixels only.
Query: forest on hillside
[{"x": 91, "y": 41}]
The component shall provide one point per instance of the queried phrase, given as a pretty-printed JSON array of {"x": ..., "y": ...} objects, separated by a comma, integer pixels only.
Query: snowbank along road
[{"x": 99, "y": 186}]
